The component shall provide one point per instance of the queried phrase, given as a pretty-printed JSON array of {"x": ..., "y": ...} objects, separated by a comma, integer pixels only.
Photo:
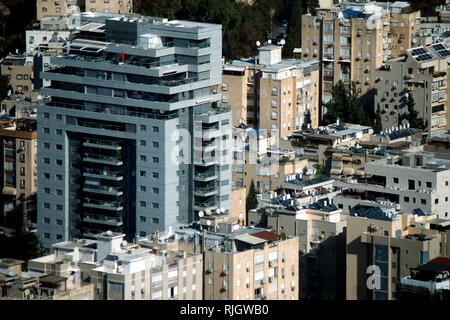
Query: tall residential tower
[{"x": 132, "y": 102}]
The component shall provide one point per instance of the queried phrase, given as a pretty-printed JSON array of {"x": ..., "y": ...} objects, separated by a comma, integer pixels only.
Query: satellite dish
[
  {"x": 109, "y": 233},
  {"x": 208, "y": 222},
  {"x": 282, "y": 42},
  {"x": 39, "y": 97},
  {"x": 222, "y": 209},
  {"x": 11, "y": 274},
  {"x": 218, "y": 211},
  {"x": 258, "y": 43},
  {"x": 201, "y": 214},
  {"x": 269, "y": 41},
  {"x": 124, "y": 243}
]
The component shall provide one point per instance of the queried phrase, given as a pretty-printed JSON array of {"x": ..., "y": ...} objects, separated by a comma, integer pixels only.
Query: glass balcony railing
[
  {"x": 103, "y": 172},
  {"x": 99, "y": 142},
  {"x": 106, "y": 189},
  {"x": 109, "y": 159}
]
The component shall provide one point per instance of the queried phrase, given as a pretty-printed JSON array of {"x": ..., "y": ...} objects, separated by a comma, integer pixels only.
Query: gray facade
[{"x": 115, "y": 139}]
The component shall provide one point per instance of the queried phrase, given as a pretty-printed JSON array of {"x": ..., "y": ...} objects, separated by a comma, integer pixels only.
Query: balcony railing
[{"x": 104, "y": 189}]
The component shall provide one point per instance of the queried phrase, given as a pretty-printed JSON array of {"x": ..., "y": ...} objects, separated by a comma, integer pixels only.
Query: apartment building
[
  {"x": 320, "y": 231},
  {"x": 113, "y": 6},
  {"x": 268, "y": 92},
  {"x": 111, "y": 126},
  {"x": 429, "y": 281},
  {"x": 393, "y": 243},
  {"x": 421, "y": 73},
  {"x": 407, "y": 182},
  {"x": 252, "y": 264},
  {"x": 19, "y": 70},
  {"x": 18, "y": 173},
  {"x": 60, "y": 8},
  {"x": 63, "y": 8},
  {"x": 238, "y": 206},
  {"x": 313, "y": 144},
  {"x": 118, "y": 270},
  {"x": 351, "y": 40}
]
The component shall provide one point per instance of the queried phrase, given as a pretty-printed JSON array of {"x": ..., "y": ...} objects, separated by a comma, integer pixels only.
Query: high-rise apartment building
[
  {"x": 421, "y": 73},
  {"x": 132, "y": 138},
  {"x": 271, "y": 92},
  {"x": 352, "y": 40},
  {"x": 18, "y": 180}
]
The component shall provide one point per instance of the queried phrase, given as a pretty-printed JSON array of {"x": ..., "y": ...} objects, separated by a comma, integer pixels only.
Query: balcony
[
  {"x": 205, "y": 176},
  {"x": 93, "y": 218},
  {"x": 102, "y": 144},
  {"x": 211, "y": 133},
  {"x": 102, "y": 204},
  {"x": 209, "y": 161},
  {"x": 97, "y": 158},
  {"x": 205, "y": 206},
  {"x": 205, "y": 192},
  {"x": 102, "y": 174},
  {"x": 109, "y": 190}
]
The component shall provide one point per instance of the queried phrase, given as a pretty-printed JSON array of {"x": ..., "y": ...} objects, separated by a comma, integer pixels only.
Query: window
[
  {"x": 274, "y": 115},
  {"x": 142, "y": 143},
  {"x": 59, "y": 147},
  {"x": 143, "y": 127},
  {"x": 46, "y": 220},
  {"x": 423, "y": 201},
  {"x": 142, "y": 188},
  {"x": 46, "y": 115},
  {"x": 47, "y": 190},
  {"x": 155, "y": 205},
  {"x": 429, "y": 185},
  {"x": 22, "y": 184},
  {"x": 58, "y": 132},
  {"x": 274, "y": 91},
  {"x": 142, "y": 173},
  {"x": 155, "y": 129},
  {"x": 142, "y": 204},
  {"x": 59, "y": 222},
  {"x": 155, "y": 220},
  {"x": 436, "y": 201},
  {"x": 46, "y": 175},
  {"x": 47, "y": 130},
  {"x": 155, "y": 175},
  {"x": 58, "y": 162},
  {"x": 155, "y": 190},
  {"x": 47, "y": 235},
  {"x": 46, "y": 205},
  {"x": 59, "y": 177},
  {"x": 395, "y": 180},
  {"x": 142, "y": 219},
  {"x": 406, "y": 199},
  {"x": 155, "y": 159},
  {"x": 155, "y": 144},
  {"x": 59, "y": 237},
  {"x": 59, "y": 207}
]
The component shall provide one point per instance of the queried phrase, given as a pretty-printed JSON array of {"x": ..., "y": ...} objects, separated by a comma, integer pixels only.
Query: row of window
[
  {"x": 143, "y": 204},
  {"x": 22, "y": 77},
  {"x": 58, "y": 222},
  {"x": 57, "y": 236},
  {"x": 58, "y": 192},
  {"x": 58, "y": 207},
  {"x": 143, "y": 127}
]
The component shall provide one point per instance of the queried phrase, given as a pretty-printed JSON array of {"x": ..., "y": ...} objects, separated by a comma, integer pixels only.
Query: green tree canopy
[
  {"x": 294, "y": 29},
  {"x": 346, "y": 106},
  {"x": 251, "y": 201}
]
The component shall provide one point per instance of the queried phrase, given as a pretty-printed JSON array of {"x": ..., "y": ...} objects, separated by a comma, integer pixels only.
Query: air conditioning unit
[
  {"x": 248, "y": 269},
  {"x": 283, "y": 259},
  {"x": 283, "y": 291},
  {"x": 283, "y": 276},
  {"x": 248, "y": 285}
]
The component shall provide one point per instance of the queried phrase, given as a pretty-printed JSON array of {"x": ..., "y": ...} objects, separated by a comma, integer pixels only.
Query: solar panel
[
  {"x": 439, "y": 47},
  {"x": 424, "y": 57},
  {"x": 416, "y": 52}
]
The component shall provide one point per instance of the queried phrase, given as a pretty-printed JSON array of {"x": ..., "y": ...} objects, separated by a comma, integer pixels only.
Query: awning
[
  {"x": 9, "y": 191},
  {"x": 348, "y": 171},
  {"x": 250, "y": 239}
]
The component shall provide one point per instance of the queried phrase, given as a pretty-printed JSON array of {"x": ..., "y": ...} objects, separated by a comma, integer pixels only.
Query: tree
[
  {"x": 4, "y": 86},
  {"x": 413, "y": 116},
  {"x": 251, "y": 201},
  {"x": 377, "y": 127},
  {"x": 346, "y": 106},
  {"x": 294, "y": 29}
]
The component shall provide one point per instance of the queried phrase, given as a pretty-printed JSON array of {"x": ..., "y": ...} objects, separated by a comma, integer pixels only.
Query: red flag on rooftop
[{"x": 123, "y": 56}]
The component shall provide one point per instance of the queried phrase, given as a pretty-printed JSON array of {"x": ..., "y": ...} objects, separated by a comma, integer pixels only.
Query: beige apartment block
[
  {"x": 18, "y": 173},
  {"x": 254, "y": 266},
  {"x": 352, "y": 40},
  {"x": 394, "y": 243},
  {"x": 111, "y": 6},
  {"x": 20, "y": 75},
  {"x": 56, "y": 7},
  {"x": 321, "y": 243},
  {"x": 422, "y": 73},
  {"x": 266, "y": 175},
  {"x": 118, "y": 270},
  {"x": 238, "y": 207},
  {"x": 272, "y": 93}
]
